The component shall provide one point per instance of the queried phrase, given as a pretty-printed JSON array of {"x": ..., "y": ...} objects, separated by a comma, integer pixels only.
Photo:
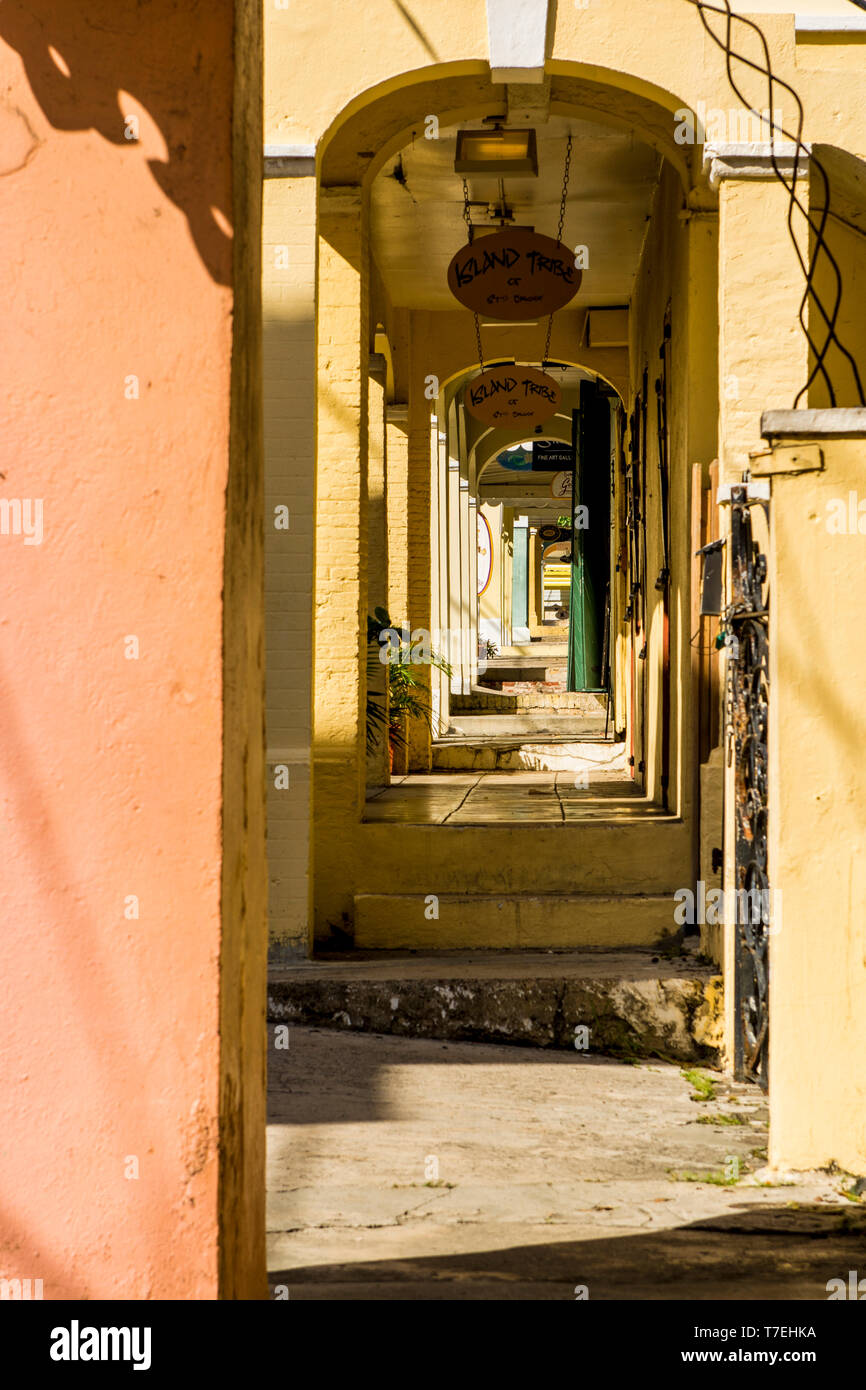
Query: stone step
[
  {"x": 512, "y": 921},
  {"x": 632, "y": 1004}
]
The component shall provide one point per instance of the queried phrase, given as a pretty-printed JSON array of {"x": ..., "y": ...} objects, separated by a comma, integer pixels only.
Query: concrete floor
[
  {"x": 402, "y": 1169},
  {"x": 491, "y": 798}
]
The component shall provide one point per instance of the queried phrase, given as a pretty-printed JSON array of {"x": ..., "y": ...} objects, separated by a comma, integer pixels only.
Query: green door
[{"x": 590, "y": 549}]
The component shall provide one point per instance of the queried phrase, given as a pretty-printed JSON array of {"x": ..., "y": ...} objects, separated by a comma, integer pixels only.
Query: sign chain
[
  {"x": 470, "y": 230},
  {"x": 565, "y": 176}
]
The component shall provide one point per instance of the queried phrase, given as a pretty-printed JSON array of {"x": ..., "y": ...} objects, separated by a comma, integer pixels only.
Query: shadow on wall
[{"x": 93, "y": 72}]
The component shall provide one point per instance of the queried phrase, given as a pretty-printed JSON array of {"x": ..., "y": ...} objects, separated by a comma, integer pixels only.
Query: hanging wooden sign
[
  {"x": 513, "y": 397},
  {"x": 515, "y": 274}
]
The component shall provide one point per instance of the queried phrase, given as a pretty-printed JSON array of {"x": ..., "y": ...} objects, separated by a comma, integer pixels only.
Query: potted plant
[{"x": 406, "y": 689}]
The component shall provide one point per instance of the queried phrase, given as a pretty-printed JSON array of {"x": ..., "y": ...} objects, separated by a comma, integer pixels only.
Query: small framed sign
[{"x": 551, "y": 456}]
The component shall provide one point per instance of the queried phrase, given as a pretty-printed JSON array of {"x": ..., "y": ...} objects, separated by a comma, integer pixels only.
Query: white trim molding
[
  {"x": 290, "y": 161},
  {"x": 753, "y": 160},
  {"x": 517, "y": 39},
  {"x": 830, "y": 24},
  {"x": 843, "y": 422}
]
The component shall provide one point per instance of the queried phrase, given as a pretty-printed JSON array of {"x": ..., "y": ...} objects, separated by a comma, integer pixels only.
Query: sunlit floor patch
[
  {"x": 415, "y": 1169},
  {"x": 492, "y": 798}
]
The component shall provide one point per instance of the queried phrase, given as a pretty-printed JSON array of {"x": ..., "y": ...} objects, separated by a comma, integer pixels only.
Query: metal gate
[{"x": 747, "y": 621}]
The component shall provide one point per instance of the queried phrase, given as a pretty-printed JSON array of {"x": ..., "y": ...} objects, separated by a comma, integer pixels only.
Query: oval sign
[
  {"x": 485, "y": 553},
  {"x": 561, "y": 485},
  {"x": 513, "y": 397},
  {"x": 514, "y": 274}
]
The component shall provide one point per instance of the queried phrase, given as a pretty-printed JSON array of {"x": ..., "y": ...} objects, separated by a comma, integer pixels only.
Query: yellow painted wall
[
  {"x": 385, "y": 47},
  {"x": 845, "y": 238},
  {"x": 817, "y": 826}
]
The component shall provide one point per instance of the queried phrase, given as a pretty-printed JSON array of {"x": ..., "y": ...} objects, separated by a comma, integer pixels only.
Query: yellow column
[
  {"x": 763, "y": 356},
  {"x": 418, "y": 528},
  {"x": 437, "y": 447},
  {"x": 397, "y": 504},
  {"x": 340, "y": 576},
  {"x": 377, "y": 548},
  {"x": 289, "y": 366},
  {"x": 397, "y": 454}
]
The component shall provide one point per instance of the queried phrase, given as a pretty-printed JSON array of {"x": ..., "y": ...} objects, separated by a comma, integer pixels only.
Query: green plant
[
  {"x": 704, "y": 1088},
  {"x": 720, "y": 1119},
  {"x": 714, "y": 1179},
  {"x": 405, "y": 688}
]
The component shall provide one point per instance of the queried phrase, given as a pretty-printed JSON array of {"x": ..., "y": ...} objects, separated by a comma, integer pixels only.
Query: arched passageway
[{"x": 579, "y": 735}]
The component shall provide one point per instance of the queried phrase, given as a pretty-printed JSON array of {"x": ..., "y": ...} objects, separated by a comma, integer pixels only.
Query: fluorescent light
[{"x": 496, "y": 152}]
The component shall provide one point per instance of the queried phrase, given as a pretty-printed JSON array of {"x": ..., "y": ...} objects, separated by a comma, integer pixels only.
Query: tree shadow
[{"x": 80, "y": 68}]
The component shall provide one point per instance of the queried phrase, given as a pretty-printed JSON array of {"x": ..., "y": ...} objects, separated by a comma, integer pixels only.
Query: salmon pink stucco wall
[{"x": 116, "y": 135}]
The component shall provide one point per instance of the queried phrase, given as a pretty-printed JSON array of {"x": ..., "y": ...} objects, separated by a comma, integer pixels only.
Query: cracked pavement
[{"x": 412, "y": 1169}]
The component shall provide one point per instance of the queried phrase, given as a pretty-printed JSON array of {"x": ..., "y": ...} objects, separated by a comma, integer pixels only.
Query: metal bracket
[{"x": 755, "y": 492}]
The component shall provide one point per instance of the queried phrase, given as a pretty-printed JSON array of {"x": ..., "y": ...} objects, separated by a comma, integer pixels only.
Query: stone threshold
[{"x": 634, "y": 1003}]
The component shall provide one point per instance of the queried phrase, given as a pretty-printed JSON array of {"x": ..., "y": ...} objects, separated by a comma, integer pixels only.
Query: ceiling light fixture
[{"x": 496, "y": 152}]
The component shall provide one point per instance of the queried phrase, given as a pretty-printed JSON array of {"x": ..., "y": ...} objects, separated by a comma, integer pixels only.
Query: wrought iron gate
[{"x": 747, "y": 620}]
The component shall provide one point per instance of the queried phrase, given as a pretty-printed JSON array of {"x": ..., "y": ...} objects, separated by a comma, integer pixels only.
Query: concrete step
[
  {"x": 545, "y": 685},
  {"x": 480, "y": 701},
  {"x": 534, "y": 650},
  {"x": 632, "y": 1004},
  {"x": 536, "y": 724},
  {"x": 512, "y": 921},
  {"x": 516, "y": 754},
  {"x": 521, "y": 675}
]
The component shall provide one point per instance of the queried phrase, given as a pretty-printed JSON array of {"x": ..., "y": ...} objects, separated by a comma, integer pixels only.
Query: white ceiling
[{"x": 417, "y": 225}]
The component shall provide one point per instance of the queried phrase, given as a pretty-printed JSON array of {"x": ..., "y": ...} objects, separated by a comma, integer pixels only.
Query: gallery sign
[
  {"x": 550, "y": 456},
  {"x": 515, "y": 274},
  {"x": 513, "y": 397}
]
